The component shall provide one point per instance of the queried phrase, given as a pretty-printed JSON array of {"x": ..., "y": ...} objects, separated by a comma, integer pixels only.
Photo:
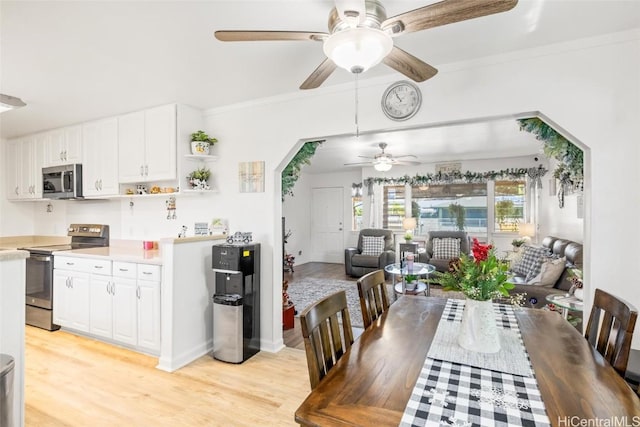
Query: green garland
[
  {"x": 291, "y": 173},
  {"x": 457, "y": 177},
  {"x": 570, "y": 170}
]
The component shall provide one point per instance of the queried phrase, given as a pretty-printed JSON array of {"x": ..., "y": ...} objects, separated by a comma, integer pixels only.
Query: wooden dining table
[{"x": 373, "y": 381}]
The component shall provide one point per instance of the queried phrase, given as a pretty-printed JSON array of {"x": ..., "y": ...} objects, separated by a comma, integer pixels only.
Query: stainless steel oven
[{"x": 39, "y": 271}]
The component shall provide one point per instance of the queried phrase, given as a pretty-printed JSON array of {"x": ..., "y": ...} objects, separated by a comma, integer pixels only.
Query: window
[
  {"x": 393, "y": 207},
  {"x": 509, "y": 205},
  {"x": 356, "y": 213},
  {"x": 451, "y": 207}
]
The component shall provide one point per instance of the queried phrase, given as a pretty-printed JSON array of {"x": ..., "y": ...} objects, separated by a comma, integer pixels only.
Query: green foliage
[
  {"x": 203, "y": 137},
  {"x": 408, "y": 237},
  {"x": 291, "y": 173},
  {"x": 571, "y": 158},
  {"x": 518, "y": 242},
  {"x": 458, "y": 212},
  {"x": 482, "y": 281},
  {"x": 415, "y": 209},
  {"x": 410, "y": 278},
  {"x": 454, "y": 177},
  {"x": 504, "y": 209},
  {"x": 202, "y": 174}
]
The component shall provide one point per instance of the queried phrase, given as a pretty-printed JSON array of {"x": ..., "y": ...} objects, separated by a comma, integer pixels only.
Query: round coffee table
[{"x": 418, "y": 269}]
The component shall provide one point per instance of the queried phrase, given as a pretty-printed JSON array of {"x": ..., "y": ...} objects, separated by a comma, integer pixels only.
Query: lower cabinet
[
  {"x": 71, "y": 299},
  {"x": 118, "y": 301}
]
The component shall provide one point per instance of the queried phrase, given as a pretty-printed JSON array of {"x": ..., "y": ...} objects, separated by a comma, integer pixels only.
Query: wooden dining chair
[
  {"x": 612, "y": 334},
  {"x": 324, "y": 341},
  {"x": 373, "y": 296}
]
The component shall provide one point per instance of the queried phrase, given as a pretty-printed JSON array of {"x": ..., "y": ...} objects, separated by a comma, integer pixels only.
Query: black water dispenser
[{"x": 236, "y": 302}]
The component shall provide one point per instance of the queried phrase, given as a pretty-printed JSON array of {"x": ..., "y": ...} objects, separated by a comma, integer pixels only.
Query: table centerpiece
[{"x": 481, "y": 278}]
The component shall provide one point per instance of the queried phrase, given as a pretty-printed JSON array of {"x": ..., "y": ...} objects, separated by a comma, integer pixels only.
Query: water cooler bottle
[{"x": 236, "y": 302}]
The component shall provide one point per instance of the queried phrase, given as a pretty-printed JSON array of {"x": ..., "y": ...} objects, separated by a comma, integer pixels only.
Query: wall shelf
[{"x": 201, "y": 157}]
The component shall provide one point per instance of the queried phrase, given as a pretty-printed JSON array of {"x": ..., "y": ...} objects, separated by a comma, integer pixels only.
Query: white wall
[{"x": 590, "y": 88}]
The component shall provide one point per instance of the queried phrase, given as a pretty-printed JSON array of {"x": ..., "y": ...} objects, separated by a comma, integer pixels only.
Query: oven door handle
[{"x": 40, "y": 258}]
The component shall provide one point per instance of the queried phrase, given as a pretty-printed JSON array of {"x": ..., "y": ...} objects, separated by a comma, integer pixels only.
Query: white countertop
[
  {"x": 116, "y": 253},
  {"x": 11, "y": 254}
]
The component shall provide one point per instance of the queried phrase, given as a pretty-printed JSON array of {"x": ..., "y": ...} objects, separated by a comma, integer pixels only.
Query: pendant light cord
[{"x": 356, "y": 92}]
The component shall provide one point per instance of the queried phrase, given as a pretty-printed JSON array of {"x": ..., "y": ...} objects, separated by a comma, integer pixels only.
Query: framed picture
[{"x": 251, "y": 176}]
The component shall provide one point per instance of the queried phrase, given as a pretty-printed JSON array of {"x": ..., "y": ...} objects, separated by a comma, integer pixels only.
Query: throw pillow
[
  {"x": 550, "y": 271},
  {"x": 446, "y": 248},
  {"x": 531, "y": 261},
  {"x": 372, "y": 245}
]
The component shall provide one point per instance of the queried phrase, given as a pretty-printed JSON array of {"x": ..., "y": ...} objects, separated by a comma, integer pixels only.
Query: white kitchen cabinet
[
  {"x": 149, "y": 307},
  {"x": 64, "y": 146},
  {"x": 101, "y": 307},
  {"x": 23, "y": 165},
  {"x": 100, "y": 158},
  {"x": 147, "y": 145},
  {"x": 71, "y": 299}
]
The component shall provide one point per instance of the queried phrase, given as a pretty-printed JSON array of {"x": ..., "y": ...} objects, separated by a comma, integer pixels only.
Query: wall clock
[{"x": 401, "y": 100}]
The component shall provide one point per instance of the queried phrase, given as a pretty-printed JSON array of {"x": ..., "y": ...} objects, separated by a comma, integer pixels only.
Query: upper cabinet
[
  {"x": 147, "y": 145},
  {"x": 63, "y": 146},
  {"x": 100, "y": 158},
  {"x": 24, "y": 168}
]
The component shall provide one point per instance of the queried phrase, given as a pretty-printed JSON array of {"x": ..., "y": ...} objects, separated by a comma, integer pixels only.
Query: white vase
[
  {"x": 199, "y": 147},
  {"x": 478, "y": 330}
]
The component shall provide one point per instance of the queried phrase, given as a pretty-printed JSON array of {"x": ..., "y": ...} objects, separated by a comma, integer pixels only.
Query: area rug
[{"x": 306, "y": 291}]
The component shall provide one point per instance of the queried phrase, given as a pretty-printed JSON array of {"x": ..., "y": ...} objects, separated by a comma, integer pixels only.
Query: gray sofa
[
  {"x": 357, "y": 265},
  {"x": 536, "y": 295},
  {"x": 442, "y": 265}
]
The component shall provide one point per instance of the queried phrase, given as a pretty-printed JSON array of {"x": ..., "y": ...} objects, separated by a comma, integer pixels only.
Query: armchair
[
  {"x": 357, "y": 263},
  {"x": 439, "y": 262}
]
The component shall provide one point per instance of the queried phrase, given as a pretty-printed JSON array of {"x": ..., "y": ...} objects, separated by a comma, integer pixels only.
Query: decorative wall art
[
  {"x": 251, "y": 175},
  {"x": 448, "y": 167}
]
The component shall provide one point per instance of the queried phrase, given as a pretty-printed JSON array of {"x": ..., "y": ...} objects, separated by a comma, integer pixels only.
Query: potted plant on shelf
[
  {"x": 198, "y": 179},
  {"x": 411, "y": 281},
  {"x": 200, "y": 143}
]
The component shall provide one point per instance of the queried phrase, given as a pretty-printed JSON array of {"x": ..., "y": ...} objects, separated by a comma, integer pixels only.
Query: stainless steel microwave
[{"x": 62, "y": 182}]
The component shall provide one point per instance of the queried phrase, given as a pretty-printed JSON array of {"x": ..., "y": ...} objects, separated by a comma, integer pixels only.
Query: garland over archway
[
  {"x": 457, "y": 177},
  {"x": 291, "y": 173}
]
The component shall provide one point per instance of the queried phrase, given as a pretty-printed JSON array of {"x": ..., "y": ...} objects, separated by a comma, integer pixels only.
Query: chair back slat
[
  {"x": 612, "y": 335},
  {"x": 327, "y": 333},
  {"x": 373, "y": 296}
]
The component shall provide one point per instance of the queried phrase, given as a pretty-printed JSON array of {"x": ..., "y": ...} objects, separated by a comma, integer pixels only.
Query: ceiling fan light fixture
[
  {"x": 8, "y": 102},
  {"x": 358, "y": 49},
  {"x": 382, "y": 165}
]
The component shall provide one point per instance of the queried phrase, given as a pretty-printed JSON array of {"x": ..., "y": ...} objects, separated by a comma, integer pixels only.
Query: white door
[
  {"x": 131, "y": 147},
  {"x": 327, "y": 235},
  {"x": 160, "y": 143}
]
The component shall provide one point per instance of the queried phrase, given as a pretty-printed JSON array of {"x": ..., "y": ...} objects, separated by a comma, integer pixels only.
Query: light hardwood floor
[{"x": 77, "y": 381}]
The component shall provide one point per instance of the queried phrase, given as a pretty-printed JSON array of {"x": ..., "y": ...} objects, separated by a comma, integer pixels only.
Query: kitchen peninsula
[{"x": 12, "y": 301}]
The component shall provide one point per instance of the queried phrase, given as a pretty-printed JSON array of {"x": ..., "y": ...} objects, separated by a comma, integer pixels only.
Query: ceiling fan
[
  {"x": 384, "y": 161},
  {"x": 360, "y": 35}
]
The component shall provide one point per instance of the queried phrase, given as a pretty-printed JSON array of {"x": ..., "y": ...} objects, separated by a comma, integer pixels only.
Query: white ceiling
[{"x": 75, "y": 61}]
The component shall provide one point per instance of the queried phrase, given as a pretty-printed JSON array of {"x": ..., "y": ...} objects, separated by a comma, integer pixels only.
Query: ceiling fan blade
[
  {"x": 319, "y": 75},
  {"x": 405, "y": 163},
  {"x": 358, "y": 164},
  {"x": 444, "y": 12},
  {"x": 351, "y": 11},
  {"x": 248, "y": 36},
  {"x": 407, "y": 64},
  {"x": 406, "y": 155}
]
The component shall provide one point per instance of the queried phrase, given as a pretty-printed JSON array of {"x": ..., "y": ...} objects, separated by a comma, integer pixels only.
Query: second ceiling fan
[
  {"x": 383, "y": 161},
  {"x": 361, "y": 36}
]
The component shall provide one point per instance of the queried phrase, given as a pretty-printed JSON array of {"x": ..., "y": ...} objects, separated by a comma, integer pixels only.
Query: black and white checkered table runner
[{"x": 451, "y": 394}]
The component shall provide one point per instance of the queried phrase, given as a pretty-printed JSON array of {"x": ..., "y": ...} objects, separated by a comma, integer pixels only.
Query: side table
[{"x": 566, "y": 303}]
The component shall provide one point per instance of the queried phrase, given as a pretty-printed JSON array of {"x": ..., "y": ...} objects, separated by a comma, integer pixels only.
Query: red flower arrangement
[{"x": 480, "y": 277}]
